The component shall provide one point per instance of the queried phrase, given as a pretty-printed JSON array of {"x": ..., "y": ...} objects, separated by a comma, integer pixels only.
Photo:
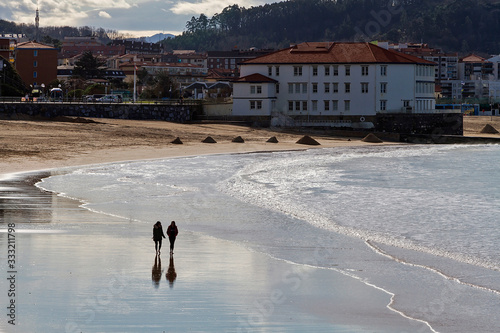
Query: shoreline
[
  {"x": 31, "y": 145},
  {"x": 83, "y": 234},
  {"x": 244, "y": 300}
]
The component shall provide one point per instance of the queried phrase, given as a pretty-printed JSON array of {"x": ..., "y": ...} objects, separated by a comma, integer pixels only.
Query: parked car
[{"x": 110, "y": 99}]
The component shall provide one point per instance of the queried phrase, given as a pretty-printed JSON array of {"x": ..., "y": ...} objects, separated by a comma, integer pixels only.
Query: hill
[{"x": 453, "y": 25}]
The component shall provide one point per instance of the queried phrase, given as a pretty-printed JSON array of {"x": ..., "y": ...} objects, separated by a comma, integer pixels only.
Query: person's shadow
[
  {"x": 171, "y": 274},
  {"x": 156, "y": 272}
]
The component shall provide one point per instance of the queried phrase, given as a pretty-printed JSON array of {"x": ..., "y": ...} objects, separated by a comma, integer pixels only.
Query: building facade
[
  {"x": 7, "y": 47},
  {"x": 36, "y": 63},
  {"x": 334, "y": 80}
]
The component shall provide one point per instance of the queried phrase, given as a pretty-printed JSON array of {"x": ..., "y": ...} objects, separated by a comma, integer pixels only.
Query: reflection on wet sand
[
  {"x": 156, "y": 272},
  {"x": 171, "y": 274},
  {"x": 21, "y": 202}
]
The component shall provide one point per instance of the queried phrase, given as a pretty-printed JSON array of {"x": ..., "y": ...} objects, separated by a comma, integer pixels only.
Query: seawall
[{"x": 175, "y": 113}]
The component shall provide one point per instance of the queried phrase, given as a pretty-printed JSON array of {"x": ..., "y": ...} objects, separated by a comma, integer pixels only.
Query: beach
[{"x": 77, "y": 270}]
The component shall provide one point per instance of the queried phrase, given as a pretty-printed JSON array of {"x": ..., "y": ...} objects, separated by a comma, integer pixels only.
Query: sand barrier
[
  {"x": 272, "y": 139},
  {"x": 372, "y": 138},
  {"x": 238, "y": 139},
  {"x": 307, "y": 140},
  {"x": 209, "y": 139},
  {"x": 488, "y": 129},
  {"x": 177, "y": 141}
]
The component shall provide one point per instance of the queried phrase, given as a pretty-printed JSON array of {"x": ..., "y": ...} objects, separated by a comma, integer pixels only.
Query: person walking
[
  {"x": 172, "y": 233},
  {"x": 157, "y": 236}
]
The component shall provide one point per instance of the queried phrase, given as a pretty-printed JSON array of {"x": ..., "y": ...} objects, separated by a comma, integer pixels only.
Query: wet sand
[{"x": 79, "y": 271}]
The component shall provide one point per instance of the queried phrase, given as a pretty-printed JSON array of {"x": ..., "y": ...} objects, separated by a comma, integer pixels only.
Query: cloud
[
  {"x": 103, "y": 14},
  {"x": 210, "y": 7},
  {"x": 120, "y": 15}
]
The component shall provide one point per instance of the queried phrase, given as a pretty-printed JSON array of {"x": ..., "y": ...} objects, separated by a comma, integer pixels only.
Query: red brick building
[
  {"x": 36, "y": 63},
  {"x": 7, "y": 48}
]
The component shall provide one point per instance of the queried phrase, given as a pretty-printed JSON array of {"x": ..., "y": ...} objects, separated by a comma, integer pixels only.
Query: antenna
[{"x": 37, "y": 22}]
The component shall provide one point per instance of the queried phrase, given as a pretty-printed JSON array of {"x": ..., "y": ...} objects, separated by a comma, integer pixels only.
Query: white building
[
  {"x": 496, "y": 66},
  {"x": 334, "y": 80}
]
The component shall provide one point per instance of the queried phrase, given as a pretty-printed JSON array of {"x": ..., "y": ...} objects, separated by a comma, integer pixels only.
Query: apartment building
[{"x": 334, "y": 79}]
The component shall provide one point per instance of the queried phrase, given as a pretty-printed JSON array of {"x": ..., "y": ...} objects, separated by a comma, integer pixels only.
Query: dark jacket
[
  {"x": 172, "y": 231},
  {"x": 158, "y": 233}
]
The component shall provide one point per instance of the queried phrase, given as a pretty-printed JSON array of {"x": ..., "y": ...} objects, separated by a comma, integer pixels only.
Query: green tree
[
  {"x": 89, "y": 67},
  {"x": 11, "y": 83}
]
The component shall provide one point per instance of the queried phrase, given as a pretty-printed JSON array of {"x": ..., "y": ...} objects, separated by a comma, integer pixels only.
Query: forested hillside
[{"x": 454, "y": 25}]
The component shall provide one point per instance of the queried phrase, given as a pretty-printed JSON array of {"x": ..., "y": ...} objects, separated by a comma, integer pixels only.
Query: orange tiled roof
[
  {"x": 473, "y": 58},
  {"x": 255, "y": 78},
  {"x": 34, "y": 45},
  {"x": 341, "y": 52}
]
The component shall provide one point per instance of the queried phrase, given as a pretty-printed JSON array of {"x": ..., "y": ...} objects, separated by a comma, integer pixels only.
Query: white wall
[{"x": 401, "y": 82}]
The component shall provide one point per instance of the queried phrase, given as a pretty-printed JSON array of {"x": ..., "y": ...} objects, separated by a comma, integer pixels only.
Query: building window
[
  {"x": 327, "y": 70},
  {"x": 315, "y": 71},
  {"x": 297, "y": 105},
  {"x": 304, "y": 105},
  {"x": 35, "y": 75},
  {"x": 290, "y": 88},
  {"x": 336, "y": 70},
  {"x": 255, "y": 105},
  {"x": 383, "y": 70},
  {"x": 347, "y": 86},
  {"x": 315, "y": 88},
  {"x": 35, "y": 53},
  {"x": 347, "y": 70},
  {"x": 364, "y": 70},
  {"x": 364, "y": 87},
  {"x": 35, "y": 63},
  {"x": 347, "y": 105},
  {"x": 269, "y": 71},
  {"x": 335, "y": 105},
  {"x": 327, "y": 105},
  {"x": 335, "y": 87},
  {"x": 304, "y": 88},
  {"x": 383, "y": 105},
  {"x": 277, "y": 88},
  {"x": 297, "y": 70},
  {"x": 297, "y": 88},
  {"x": 314, "y": 105},
  {"x": 290, "y": 105},
  {"x": 327, "y": 88},
  {"x": 383, "y": 87},
  {"x": 277, "y": 69},
  {"x": 255, "y": 90}
]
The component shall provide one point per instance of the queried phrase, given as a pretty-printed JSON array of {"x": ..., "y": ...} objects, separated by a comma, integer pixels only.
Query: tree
[
  {"x": 89, "y": 67},
  {"x": 11, "y": 83},
  {"x": 160, "y": 86}
]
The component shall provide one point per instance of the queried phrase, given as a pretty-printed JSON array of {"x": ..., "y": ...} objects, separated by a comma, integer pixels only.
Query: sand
[
  {"x": 36, "y": 145},
  {"x": 82, "y": 271}
]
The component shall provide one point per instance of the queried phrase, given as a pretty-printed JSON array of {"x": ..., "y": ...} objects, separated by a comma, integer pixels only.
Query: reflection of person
[
  {"x": 156, "y": 272},
  {"x": 157, "y": 236},
  {"x": 171, "y": 274},
  {"x": 172, "y": 233}
]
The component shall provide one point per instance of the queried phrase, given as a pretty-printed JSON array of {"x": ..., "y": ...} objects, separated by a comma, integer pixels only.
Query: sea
[{"x": 419, "y": 222}]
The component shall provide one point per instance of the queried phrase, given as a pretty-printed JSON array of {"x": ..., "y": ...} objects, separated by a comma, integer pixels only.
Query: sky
[{"x": 137, "y": 17}]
